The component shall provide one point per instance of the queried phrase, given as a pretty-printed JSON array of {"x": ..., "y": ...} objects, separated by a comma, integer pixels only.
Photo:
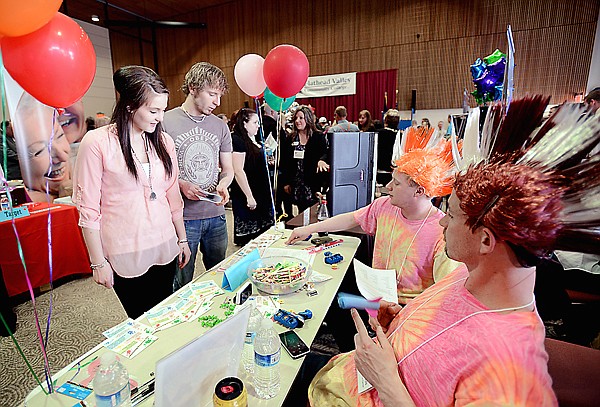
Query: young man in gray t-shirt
[{"x": 203, "y": 144}]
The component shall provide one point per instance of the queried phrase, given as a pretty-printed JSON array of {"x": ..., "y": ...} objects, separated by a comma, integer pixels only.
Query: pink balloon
[
  {"x": 286, "y": 70},
  {"x": 248, "y": 73}
]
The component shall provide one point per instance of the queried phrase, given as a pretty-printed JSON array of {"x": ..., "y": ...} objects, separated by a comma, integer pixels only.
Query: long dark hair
[
  {"x": 134, "y": 85},
  {"x": 309, "y": 118},
  {"x": 243, "y": 116},
  {"x": 368, "y": 123}
]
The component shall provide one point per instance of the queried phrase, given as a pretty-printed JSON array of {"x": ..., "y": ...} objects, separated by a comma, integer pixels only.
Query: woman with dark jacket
[{"x": 304, "y": 156}]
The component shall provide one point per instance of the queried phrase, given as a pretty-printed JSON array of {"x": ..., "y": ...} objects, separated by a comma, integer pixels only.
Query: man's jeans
[{"x": 211, "y": 236}]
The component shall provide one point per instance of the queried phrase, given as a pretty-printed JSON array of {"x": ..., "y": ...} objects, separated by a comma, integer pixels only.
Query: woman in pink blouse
[{"x": 125, "y": 187}]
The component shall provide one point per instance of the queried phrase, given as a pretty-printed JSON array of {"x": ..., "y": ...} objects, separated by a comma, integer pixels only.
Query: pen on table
[{"x": 144, "y": 394}]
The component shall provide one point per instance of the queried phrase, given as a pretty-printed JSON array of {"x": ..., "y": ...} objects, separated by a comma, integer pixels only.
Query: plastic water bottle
[
  {"x": 323, "y": 213},
  {"x": 111, "y": 383},
  {"x": 267, "y": 352},
  {"x": 248, "y": 350}
]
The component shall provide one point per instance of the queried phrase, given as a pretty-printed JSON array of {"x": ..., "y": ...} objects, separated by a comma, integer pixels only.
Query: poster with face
[{"x": 42, "y": 145}]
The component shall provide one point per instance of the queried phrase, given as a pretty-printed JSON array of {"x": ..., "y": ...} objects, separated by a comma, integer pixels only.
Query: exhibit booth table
[
  {"x": 142, "y": 367},
  {"x": 69, "y": 254}
]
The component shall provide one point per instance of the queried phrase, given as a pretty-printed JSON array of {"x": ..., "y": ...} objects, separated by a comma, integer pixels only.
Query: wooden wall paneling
[
  {"x": 323, "y": 29},
  {"x": 224, "y": 34},
  {"x": 556, "y": 61},
  {"x": 125, "y": 49},
  {"x": 340, "y": 36},
  {"x": 376, "y": 24}
]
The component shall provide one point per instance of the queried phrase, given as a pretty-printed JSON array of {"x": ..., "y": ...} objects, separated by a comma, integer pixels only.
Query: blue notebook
[{"x": 235, "y": 275}]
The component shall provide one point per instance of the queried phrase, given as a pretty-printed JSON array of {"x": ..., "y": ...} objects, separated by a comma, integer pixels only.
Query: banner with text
[{"x": 329, "y": 85}]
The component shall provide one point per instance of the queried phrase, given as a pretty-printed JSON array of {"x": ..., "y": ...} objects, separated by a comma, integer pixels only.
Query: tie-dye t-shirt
[
  {"x": 487, "y": 359},
  {"x": 426, "y": 260}
]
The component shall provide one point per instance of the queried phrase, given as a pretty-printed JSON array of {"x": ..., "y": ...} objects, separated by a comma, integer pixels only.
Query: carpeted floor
[{"x": 81, "y": 311}]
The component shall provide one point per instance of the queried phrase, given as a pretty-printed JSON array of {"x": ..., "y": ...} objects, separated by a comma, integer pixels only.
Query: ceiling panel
[{"x": 128, "y": 10}]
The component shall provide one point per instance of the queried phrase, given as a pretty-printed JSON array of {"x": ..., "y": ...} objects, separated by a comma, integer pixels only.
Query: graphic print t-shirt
[{"x": 198, "y": 147}]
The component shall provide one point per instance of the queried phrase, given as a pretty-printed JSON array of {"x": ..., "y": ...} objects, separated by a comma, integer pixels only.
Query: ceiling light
[{"x": 95, "y": 18}]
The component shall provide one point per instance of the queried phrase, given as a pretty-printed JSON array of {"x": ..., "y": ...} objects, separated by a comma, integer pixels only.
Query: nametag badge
[
  {"x": 299, "y": 154},
  {"x": 295, "y": 143}
]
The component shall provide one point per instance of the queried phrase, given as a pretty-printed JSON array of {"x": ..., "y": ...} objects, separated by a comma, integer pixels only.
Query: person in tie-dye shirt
[
  {"x": 474, "y": 338},
  {"x": 408, "y": 237}
]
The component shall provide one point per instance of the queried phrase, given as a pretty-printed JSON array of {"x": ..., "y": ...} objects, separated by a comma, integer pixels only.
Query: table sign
[{"x": 16, "y": 213}]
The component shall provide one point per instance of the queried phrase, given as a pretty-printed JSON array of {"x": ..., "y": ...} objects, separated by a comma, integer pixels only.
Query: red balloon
[
  {"x": 55, "y": 64},
  {"x": 285, "y": 70}
]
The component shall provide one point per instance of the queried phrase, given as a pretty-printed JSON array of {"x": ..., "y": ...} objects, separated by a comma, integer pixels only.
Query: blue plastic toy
[
  {"x": 290, "y": 320},
  {"x": 334, "y": 258}
]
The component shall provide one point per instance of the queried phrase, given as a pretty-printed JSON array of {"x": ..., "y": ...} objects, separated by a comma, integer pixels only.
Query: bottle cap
[{"x": 107, "y": 358}]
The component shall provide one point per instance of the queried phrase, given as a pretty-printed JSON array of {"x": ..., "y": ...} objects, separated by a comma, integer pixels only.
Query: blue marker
[{"x": 347, "y": 301}]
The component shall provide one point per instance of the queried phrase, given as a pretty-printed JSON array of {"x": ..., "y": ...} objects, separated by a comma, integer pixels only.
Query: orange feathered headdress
[{"x": 433, "y": 169}]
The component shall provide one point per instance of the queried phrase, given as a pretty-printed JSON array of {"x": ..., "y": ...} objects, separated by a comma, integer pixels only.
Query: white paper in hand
[
  {"x": 210, "y": 197},
  {"x": 375, "y": 283}
]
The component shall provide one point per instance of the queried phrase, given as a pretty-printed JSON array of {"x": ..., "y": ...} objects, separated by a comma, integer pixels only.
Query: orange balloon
[{"x": 20, "y": 17}]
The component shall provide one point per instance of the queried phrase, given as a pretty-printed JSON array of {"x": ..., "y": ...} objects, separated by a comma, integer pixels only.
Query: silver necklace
[
  {"x": 152, "y": 193},
  {"x": 192, "y": 118},
  {"x": 399, "y": 276}
]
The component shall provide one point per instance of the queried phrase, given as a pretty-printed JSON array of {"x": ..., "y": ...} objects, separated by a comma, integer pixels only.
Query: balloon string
[
  {"x": 278, "y": 158},
  {"x": 4, "y": 181},
  {"x": 21, "y": 353},
  {"x": 264, "y": 148},
  {"x": 50, "y": 262}
]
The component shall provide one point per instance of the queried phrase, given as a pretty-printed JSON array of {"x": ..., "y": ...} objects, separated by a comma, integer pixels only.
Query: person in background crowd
[
  {"x": 203, "y": 145},
  {"x": 364, "y": 121},
  {"x": 423, "y": 137},
  {"x": 232, "y": 120},
  {"x": 250, "y": 192},
  {"x": 269, "y": 117},
  {"x": 449, "y": 128},
  {"x": 440, "y": 130},
  {"x": 90, "y": 123},
  {"x": 592, "y": 101},
  {"x": 342, "y": 125},
  {"x": 323, "y": 124},
  {"x": 127, "y": 194},
  {"x": 387, "y": 139},
  {"x": 223, "y": 117},
  {"x": 13, "y": 171},
  {"x": 304, "y": 156},
  {"x": 101, "y": 119}
]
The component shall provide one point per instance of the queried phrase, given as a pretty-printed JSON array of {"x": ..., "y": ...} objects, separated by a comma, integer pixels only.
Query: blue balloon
[
  {"x": 276, "y": 103},
  {"x": 496, "y": 70},
  {"x": 485, "y": 83},
  {"x": 478, "y": 68}
]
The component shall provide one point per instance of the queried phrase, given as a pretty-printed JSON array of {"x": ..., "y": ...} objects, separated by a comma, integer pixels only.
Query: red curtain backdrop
[{"x": 370, "y": 89}]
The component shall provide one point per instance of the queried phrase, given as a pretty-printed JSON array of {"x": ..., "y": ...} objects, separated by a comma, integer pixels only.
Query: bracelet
[
  {"x": 100, "y": 265},
  {"x": 182, "y": 241}
]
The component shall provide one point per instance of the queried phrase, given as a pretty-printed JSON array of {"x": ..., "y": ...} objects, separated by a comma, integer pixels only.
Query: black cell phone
[
  {"x": 243, "y": 294},
  {"x": 293, "y": 344}
]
